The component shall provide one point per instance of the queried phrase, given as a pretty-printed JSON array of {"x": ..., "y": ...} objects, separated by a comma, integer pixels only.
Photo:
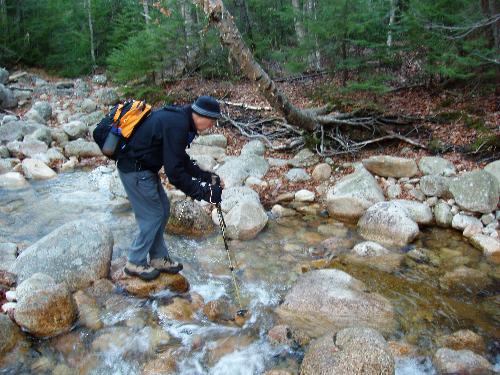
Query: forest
[{"x": 372, "y": 47}]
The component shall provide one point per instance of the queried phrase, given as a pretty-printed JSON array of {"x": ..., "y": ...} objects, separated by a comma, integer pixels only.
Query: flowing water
[{"x": 133, "y": 328}]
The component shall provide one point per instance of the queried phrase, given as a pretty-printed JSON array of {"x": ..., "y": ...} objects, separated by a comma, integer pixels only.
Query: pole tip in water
[{"x": 241, "y": 317}]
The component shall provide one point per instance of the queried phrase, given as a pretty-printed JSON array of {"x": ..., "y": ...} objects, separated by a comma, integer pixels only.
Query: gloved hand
[
  {"x": 213, "y": 193},
  {"x": 210, "y": 178}
]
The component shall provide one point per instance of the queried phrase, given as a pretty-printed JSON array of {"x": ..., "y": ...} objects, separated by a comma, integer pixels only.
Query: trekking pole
[{"x": 241, "y": 312}]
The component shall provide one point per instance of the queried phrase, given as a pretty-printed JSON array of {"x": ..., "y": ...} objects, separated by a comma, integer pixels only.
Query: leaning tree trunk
[{"x": 231, "y": 38}]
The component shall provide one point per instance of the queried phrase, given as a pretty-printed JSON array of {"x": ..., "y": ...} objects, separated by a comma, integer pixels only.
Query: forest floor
[{"x": 463, "y": 116}]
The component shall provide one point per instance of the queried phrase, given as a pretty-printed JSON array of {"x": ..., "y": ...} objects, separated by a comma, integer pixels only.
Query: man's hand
[
  {"x": 213, "y": 193},
  {"x": 215, "y": 179}
]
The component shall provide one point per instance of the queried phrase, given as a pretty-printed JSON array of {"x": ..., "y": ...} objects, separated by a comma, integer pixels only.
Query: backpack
[{"x": 117, "y": 127}]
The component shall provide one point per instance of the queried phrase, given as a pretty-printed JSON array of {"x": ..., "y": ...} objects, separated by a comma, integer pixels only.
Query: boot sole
[
  {"x": 142, "y": 276},
  {"x": 171, "y": 270}
]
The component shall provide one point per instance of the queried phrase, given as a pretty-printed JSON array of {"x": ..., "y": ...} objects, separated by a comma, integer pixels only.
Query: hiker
[{"x": 161, "y": 140}]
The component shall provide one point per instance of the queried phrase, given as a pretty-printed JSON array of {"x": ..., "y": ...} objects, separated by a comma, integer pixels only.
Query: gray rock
[
  {"x": 4, "y": 152},
  {"x": 494, "y": 169},
  {"x": 461, "y": 221},
  {"x": 75, "y": 129},
  {"x": 394, "y": 191},
  {"x": 8, "y": 118},
  {"x": 4, "y": 76},
  {"x": 116, "y": 186},
  {"x": 54, "y": 155},
  {"x": 188, "y": 218},
  {"x": 322, "y": 172},
  {"x": 83, "y": 149},
  {"x": 37, "y": 170},
  {"x": 488, "y": 218},
  {"x": 254, "y": 147},
  {"x": 297, "y": 175},
  {"x": 88, "y": 105},
  {"x": 443, "y": 215},
  {"x": 44, "y": 109},
  {"x": 100, "y": 79},
  {"x": 11, "y": 131},
  {"x": 273, "y": 162},
  {"x": 12, "y": 180},
  {"x": 354, "y": 350},
  {"x": 449, "y": 361},
  {"x": 417, "y": 194},
  {"x": 330, "y": 299},
  {"x": 107, "y": 96},
  {"x": 488, "y": 245},
  {"x": 435, "y": 186},
  {"x": 388, "y": 223},
  {"x": 27, "y": 149},
  {"x": 7, "y": 98},
  {"x": 82, "y": 88},
  {"x": 43, "y": 134},
  {"x": 245, "y": 219},
  {"x": 59, "y": 136},
  {"x": 34, "y": 116},
  {"x": 232, "y": 196},
  {"x": 46, "y": 310},
  {"x": 236, "y": 170},
  {"x": 353, "y": 194},
  {"x": 8, "y": 253},
  {"x": 390, "y": 166},
  {"x": 6, "y": 165},
  {"x": 92, "y": 119},
  {"x": 216, "y": 140},
  {"x": 433, "y": 165},
  {"x": 205, "y": 162},
  {"x": 77, "y": 253},
  {"x": 304, "y": 158},
  {"x": 418, "y": 212},
  {"x": 218, "y": 153},
  {"x": 476, "y": 191},
  {"x": 10, "y": 334}
]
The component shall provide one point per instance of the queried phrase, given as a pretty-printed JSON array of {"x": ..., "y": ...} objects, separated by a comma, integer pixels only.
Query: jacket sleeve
[
  {"x": 174, "y": 162},
  {"x": 194, "y": 170}
]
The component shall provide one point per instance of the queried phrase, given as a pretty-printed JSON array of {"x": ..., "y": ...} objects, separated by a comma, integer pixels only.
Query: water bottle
[{"x": 111, "y": 142}]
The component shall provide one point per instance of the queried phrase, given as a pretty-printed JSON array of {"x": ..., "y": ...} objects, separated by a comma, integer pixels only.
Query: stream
[{"x": 269, "y": 265}]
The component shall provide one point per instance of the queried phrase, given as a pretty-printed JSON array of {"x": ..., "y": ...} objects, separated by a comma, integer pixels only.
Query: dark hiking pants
[{"x": 151, "y": 208}]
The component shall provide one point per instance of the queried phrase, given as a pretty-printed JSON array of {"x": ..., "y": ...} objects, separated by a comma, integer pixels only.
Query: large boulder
[
  {"x": 11, "y": 131},
  {"x": 388, "y": 223},
  {"x": 45, "y": 308},
  {"x": 197, "y": 149},
  {"x": 243, "y": 214},
  {"x": 215, "y": 140},
  {"x": 390, "y": 166},
  {"x": 27, "y": 149},
  {"x": 433, "y": 165},
  {"x": 448, "y": 361},
  {"x": 189, "y": 219},
  {"x": 82, "y": 148},
  {"x": 476, "y": 191},
  {"x": 356, "y": 350},
  {"x": 330, "y": 299},
  {"x": 353, "y": 195},
  {"x": 44, "y": 109},
  {"x": 236, "y": 170},
  {"x": 494, "y": 169},
  {"x": 77, "y": 253},
  {"x": 10, "y": 334},
  {"x": 418, "y": 212}
]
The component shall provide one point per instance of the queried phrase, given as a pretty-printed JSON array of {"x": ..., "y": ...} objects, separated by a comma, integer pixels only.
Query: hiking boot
[
  {"x": 166, "y": 264},
  {"x": 146, "y": 273}
]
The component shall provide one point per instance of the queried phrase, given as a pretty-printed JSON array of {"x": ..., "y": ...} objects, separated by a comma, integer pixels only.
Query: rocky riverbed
[{"x": 391, "y": 266}]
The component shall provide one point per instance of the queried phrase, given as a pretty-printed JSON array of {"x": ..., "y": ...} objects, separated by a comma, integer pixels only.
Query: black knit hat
[{"x": 206, "y": 106}]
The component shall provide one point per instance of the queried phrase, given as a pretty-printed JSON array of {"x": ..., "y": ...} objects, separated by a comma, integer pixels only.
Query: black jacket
[{"x": 161, "y": 140}]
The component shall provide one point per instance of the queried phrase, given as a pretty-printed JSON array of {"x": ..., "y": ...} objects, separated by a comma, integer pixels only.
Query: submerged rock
[
  {"x": 449, "y": 361},
  {"x": 464, "y": 279},
  {"x": 488, "y": 245},
  {"x": 330, "y": 299},
  {"x": 463, "y": 339},
  {"x": 355, "y": 350}
]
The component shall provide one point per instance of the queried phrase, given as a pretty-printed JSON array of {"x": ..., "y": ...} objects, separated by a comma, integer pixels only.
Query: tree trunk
[
  {"x": 494, "y": 9},
  {"x": 145, "y": 7},
  {"x": 231, "y": 38},
  {"x": 315, "y": 57},
  {"x": 91, "y": 32},
  {"x": 392, "y": 18},
  {"x": 297, "y": 18},
  {"x": 188, "y": 29}
]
